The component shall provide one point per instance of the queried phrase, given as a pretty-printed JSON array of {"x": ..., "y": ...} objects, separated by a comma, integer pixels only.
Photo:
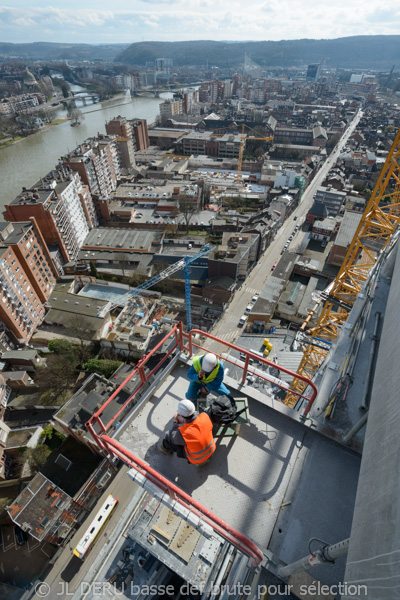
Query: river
[{"x": 23, "y": 163}]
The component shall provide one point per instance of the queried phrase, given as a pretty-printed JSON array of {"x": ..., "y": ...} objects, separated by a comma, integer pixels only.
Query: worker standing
[
  {"x": 191, "y": 436},
  {"x": 206, "y": 375}
]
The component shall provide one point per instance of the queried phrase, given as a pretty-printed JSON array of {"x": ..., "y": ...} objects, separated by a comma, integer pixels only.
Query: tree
[
  {"x": 58, "y": 374},
  {"x": 75, "y": 115},
  {"x": 102, "y": 367},
  {"x": 333, "y": 141},
  {"x": 37, "y": 456},
  {"x": 59, "y": 346},
  {"x": 9, "y": 127},
  {"x": 65, "y": 89},
  {"x": 187, "y": 209},
  {"x": 80, "y": 328},
  {"x": 123, "y": 260},
  {"x": 137, "y": 279},
  {"x": 93, "y": 271}
]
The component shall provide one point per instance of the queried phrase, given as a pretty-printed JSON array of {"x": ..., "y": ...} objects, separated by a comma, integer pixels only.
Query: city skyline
[{"x": 175, "y": 20}]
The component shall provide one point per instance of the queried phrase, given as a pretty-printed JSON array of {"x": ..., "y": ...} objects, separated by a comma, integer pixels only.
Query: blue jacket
[{"x": 214, "y": 385}]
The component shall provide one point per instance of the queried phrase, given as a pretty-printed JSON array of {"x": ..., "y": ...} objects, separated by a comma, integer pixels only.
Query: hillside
[
  {"x": 374, "y": 52},
  {"x": 54, "y": 51}
]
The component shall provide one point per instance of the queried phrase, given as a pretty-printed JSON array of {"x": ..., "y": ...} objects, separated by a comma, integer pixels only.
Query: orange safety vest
[{"x": 199, "y": 441}]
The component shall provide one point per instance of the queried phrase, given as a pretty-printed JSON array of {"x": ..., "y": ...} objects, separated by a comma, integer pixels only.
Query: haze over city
[{"x": 174, "y": 20}]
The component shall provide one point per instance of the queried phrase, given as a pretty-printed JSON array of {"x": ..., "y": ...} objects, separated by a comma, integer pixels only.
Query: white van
[
  {"x": 248, "y": 309},
  {"x": 242, "y": 320}
]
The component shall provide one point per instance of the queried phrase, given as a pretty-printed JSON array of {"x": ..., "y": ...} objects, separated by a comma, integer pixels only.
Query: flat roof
[
  {"x": 348, "y": 228},
  {"x": 121, "y": 239}
]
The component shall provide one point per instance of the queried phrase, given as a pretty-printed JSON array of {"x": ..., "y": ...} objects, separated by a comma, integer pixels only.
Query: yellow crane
[
  {"x": 379, "y": 221},
  {"x": 241, "y": 148}
]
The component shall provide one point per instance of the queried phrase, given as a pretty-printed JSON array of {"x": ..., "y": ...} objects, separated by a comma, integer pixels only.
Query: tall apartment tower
[
  {"x": 97, "y": 162},
  {"x": 313, "y": 72},
  {"x": 27, "y": 278},
  {"x": 169, "y": 108},
  {"x": 122, "y": 129},
  {"x": 141, "y": 134},
  {"x": 57, "y": 207}
]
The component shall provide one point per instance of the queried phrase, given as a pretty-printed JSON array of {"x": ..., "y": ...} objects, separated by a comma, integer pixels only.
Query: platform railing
[
  {"x": 309, "y": 399},
  {"x": 179, "y": 340}
]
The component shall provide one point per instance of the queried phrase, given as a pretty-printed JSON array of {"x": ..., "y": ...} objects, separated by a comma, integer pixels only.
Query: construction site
[{"x": 294, "y": 503}]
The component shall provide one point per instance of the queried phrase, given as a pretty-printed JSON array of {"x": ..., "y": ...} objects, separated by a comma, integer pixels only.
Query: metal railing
[{"x": 179, "y": 340}]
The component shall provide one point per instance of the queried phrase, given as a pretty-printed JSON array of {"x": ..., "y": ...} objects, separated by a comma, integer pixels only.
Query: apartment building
[
  {"x": 234, "y": 257},
  {"x": 97, "y": 162},
  {"x": 169, "y": 108},
  {"x": 312, "y": 136},
  {"x": 122, "y": 129},
  {"x": 331, "y": 198},
  {"x": 29, "y": 246},
  {"x": 141, "y": 134},
  {"x": 58, "y": 213},
  {"x": 21, "y": 309},
  {"x": 213, "y": 92}
]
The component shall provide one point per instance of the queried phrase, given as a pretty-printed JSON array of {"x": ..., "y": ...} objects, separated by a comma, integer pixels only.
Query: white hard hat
[
  {"x": 186, "y": 408},
  {"x": 209, "y": 362}
]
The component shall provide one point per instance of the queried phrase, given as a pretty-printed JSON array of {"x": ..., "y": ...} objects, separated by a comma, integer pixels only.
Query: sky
[{"x": 128, "y": 21}]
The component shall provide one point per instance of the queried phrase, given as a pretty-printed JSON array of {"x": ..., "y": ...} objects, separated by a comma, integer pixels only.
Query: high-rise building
[
  {"x": 97, "y": 162},
  {"x": 169, "y": 108},
  {"x": 141, "y": 133},
  {"x": 30, "y": 248},
  {"x": 122, "y": 129},
  {"x": 314, "y": 72},
  {"x": 26, "y": 280},
  {"x": 63, "y": 210}
]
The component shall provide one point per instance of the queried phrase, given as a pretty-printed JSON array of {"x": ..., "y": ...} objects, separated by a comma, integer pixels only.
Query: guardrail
[{"x": 179, "y": 340}]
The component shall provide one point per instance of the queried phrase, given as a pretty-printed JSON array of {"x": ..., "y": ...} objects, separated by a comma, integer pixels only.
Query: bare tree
[
  {"x": 187, "y": 209},
  {"x": 75, "y": 115}
]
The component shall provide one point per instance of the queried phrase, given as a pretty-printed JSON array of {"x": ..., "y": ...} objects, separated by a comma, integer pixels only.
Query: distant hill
[
  {"x": 364, "y": 51},
  {"x": 54, "y": 51}
]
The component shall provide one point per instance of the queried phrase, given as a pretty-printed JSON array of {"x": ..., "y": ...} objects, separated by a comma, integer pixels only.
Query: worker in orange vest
[{"x": 191, "y": 436}]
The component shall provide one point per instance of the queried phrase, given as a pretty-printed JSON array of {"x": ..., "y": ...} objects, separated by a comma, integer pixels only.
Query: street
[
  {"x": 68, "y": 572},
  {"x": 226, "y": 328}
]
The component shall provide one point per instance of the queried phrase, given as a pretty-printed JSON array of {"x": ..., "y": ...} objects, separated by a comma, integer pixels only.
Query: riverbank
[
  {"x": 20, "y": 138},
  {"x": 11, "y": 141},
  {"x": 25, "y": 162}
]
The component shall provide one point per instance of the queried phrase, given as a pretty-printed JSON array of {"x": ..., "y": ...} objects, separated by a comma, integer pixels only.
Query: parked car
[
  {"x": 248, "y": 309},
  {"x": 255, "y": 298},
  {"x": 22, "y": 536},
  {"x": 273, "y": 267},
  {"x": 242, "y": 320},
  {"x": 295, "y": 218}
]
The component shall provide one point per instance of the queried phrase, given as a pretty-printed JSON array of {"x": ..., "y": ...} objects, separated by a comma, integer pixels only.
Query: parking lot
[{"x": 19, "y": 565}]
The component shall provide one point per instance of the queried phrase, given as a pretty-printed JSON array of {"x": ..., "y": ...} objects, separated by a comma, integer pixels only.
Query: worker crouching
[
  {"x": 206, "y": 375},
  {"x": 191, "y": 435}
]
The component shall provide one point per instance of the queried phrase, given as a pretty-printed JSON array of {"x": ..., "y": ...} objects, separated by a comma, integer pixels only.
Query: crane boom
[{"x": 184, "y": 263}]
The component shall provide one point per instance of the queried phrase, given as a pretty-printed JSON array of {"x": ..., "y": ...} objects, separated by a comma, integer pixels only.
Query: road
[
  {"x": 227, "y": 326},
  {"x": 67, "y": 574}
]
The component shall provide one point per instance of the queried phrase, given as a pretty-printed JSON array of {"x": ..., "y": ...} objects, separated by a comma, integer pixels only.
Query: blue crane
[{"x": 184, "y": 263}]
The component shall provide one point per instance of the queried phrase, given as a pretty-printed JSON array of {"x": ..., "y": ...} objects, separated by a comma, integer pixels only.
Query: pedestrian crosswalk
[{"x": 252, "y": 290}]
